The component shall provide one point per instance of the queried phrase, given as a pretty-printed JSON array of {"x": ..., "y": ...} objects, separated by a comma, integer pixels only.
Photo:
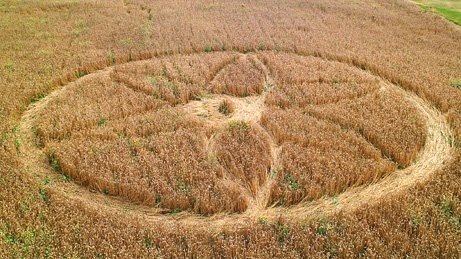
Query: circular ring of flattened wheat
[{"x": 434, "y": 155}]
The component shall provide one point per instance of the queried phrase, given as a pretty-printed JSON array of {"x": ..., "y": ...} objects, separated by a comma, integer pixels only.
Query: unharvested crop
[
  {"x": 233, "y": 147},
  {"x": 226, "y": 107},
  {"x": 383, "y": 118},
  {"x": 319, "y": 158},
  {"x": 244, "y": 77},
  {"x": 343, "y": 140}
]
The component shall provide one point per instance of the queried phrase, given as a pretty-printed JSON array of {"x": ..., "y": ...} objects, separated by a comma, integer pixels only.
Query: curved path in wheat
[{"x": 436, "y": 153}]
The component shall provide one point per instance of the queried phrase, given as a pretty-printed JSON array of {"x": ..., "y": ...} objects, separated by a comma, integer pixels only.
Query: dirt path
[{"x": 436, "y": 153}]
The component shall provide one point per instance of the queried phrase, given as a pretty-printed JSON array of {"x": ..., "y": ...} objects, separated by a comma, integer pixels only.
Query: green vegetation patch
[
  {"x": 456, "y": 83},
  {"x": 451, "y": 15},
  {"x": 447, "y": 9}
]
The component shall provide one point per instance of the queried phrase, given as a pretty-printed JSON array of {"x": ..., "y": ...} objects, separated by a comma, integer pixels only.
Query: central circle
[
  {"x": 226, "y": 131},
  {"x": 214, "y": 110}
]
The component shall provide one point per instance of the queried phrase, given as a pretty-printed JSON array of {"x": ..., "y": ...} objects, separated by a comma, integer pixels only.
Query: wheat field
[{"x": 229, "y": 129}]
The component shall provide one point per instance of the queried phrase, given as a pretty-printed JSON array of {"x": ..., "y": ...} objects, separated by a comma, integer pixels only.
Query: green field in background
[{"x": 450, "y": 9}]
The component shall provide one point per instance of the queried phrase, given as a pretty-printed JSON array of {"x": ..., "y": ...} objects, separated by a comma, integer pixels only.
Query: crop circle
[{"x": 228, "y": 132}]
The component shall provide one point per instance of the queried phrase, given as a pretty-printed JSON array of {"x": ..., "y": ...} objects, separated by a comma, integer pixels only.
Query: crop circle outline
[{"x": 438, "y": 131}]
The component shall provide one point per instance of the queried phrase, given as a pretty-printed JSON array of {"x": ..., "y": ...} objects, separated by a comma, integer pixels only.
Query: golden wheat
[{"x": 47, "y": 44}]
